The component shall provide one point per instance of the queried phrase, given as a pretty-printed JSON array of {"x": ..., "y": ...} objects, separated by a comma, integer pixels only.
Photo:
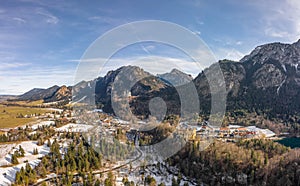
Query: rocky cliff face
[
  {"x": 266, "y": 79},
  {"x": 61, "y": 94},
  {"x": 273, "y": 64},
  {"x": 136, "y": 80}
]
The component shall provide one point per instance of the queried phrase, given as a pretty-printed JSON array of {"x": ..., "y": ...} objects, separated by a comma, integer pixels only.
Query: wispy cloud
[
  {"x": 199, "y": 21},
  {"x": 49, "y": 18},
  {"x": 229, "y": 53},
  {"x": 274, "y": 32},
  {"x": 20, "y": 81},
  {"x": 98, "y": 18},
  {"x": 153, "y": 64},
  {"x": 19, "y": 20},
  {"x": 109, "y": 20},
  {"x": 281, "y": 20},
  {"x": 239, "y": 43},
  {"x": 5, "y": 66},
  {"x": 147, "y": 48}
]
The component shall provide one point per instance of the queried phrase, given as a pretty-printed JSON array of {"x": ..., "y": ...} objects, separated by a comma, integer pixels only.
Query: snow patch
[
  {"x": 280, "y": 86},
  {"x": 295, "y": 65},
  {"x": 71, "y": 127},
  {"x": 284, "y": 68}
]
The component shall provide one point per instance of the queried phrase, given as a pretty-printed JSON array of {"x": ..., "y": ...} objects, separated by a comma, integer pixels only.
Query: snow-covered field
[
  {"x": 74, "y": 128},
  {"x": 7, "y": 174},
  {"x": 4, "y": 150},
  {"x": 42, "y": 123},
  {"x": 8, "y": 171},
  {"x": 161, "y": 175},
  {"x": 55, "y": 109},
  {"x": 35, "y": 125}
]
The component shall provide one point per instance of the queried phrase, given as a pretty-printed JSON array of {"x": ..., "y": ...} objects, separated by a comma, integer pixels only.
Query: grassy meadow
[{"x": 10, "y": 115}]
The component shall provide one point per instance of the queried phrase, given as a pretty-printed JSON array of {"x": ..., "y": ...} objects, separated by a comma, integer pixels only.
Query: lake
[{"x": 290, "y": 142}]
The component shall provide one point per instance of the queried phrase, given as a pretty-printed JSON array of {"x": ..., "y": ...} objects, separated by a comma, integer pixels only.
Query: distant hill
[
  {"x": 52, "y": 94},
  {"x": 38, "y": 94},
  {"x": 7, "y": 97}
]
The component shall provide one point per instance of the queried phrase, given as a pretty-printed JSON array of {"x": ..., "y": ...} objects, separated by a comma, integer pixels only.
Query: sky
[{"x": 42, "y": 42}]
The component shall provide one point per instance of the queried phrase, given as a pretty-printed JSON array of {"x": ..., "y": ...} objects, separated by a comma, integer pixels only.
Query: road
[{"x": 96, "y": 171}]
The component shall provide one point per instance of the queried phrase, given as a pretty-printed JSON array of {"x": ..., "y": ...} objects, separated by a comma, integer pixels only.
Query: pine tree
[
  {"x": 40, "y": 142},
  {"x": 21, "y": 151},
  {"x": 35, "y": 151},
  {"x": 107, "y": 182},
  {"x": 87, "y": 165},
  {"x": 179, "y": 177},
  {"x": 49, "y": 143},
  {"x": 28, "y": 168},
  {"x": 72, "y": 164},
  {"x": 18, "y": 178},
  {"x": 97, "y": 183},
  {"x": 266, "y": 161},
  {"x": 174, "y": 182},
  {"x": 26, "y": 180},
  {"x": 90, "y": 178},
  {"x": 14, "y": 159}
]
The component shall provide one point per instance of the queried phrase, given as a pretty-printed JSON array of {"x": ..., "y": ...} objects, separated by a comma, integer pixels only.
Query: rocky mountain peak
[
  {"x": 176, "y": 77},
  {"x": 129, "y": 71},
  {"x": 285, "y": 54},
  {"x": 64, "y": 90},
  {"x": 296, "y": 45},
  {"x": 175, "y": 71},
  {"x": 297, "y": 42}
]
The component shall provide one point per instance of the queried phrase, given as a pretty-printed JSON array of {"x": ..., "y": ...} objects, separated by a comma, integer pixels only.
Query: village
[
  {"x": 234, "y": 132},
  {"x": 58, "y": 122}
]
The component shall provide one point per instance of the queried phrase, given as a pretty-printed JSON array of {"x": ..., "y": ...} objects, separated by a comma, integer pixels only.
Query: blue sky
[{"x": 41, "y": 42}]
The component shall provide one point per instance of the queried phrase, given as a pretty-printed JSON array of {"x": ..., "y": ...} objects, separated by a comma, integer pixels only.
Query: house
[
  {"x": 224, "y": 132},
  {"x": 264, "y": 133},
  {"x": 267, "y": 133},
  {"x": 233, "y": 128},
  {"x": 242, "y": 131}
]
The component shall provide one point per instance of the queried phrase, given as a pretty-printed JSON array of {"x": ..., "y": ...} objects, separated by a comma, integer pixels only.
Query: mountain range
[{"x": 268, "y": 80}]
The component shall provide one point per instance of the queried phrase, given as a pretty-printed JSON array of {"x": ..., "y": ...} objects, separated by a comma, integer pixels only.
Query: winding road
[{"x": 96, "y": 171}]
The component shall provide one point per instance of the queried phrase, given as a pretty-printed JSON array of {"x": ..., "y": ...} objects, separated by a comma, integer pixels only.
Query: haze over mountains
[{"x": 267, "y": 79}]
